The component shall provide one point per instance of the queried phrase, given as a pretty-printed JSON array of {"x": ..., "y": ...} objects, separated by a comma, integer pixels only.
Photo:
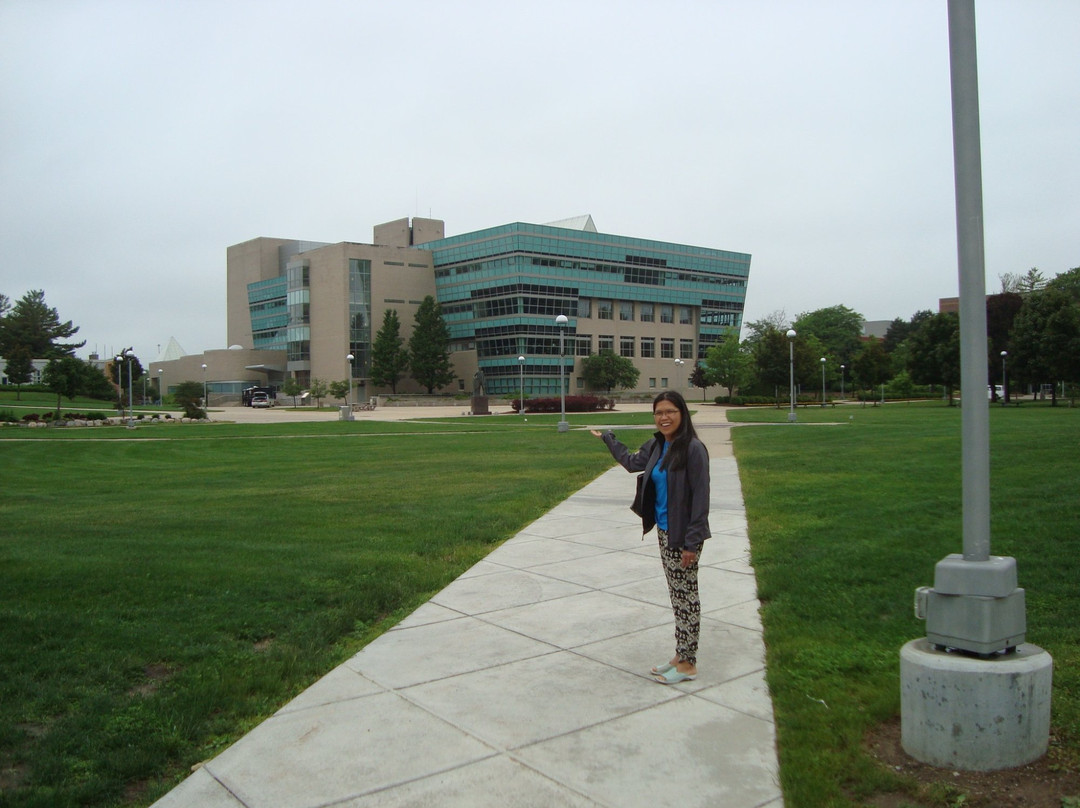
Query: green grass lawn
[
  {"x": 166, "y": 588},
  {"x": 846, "y": 520},
  {"x": 163, "y": 594}
]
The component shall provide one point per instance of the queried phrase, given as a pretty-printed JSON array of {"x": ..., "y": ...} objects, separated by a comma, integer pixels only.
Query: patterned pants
[{"x": 685, "y": 603}]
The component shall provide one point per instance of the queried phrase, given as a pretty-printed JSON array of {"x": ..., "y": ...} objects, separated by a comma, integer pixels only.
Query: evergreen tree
[
  {"x": 389, "y": 359},
  {"x": 67, "y": 377},
  {"x": 429, "y": 353},
  {"x": 33, "y": 325}
]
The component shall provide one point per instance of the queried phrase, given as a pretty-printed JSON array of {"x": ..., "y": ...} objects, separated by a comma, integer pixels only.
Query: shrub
[
  {"x": 573, "y": 404},
  {"x": 30, "y": 418},
  {"x": 8, "y": 416}
]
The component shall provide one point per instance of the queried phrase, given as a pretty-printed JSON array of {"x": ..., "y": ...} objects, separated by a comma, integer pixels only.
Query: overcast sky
[{"x": 139, "y": 139}]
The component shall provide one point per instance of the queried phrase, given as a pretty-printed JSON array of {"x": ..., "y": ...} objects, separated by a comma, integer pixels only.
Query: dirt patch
[
  {"x": 155, "y": 673},
  {"x": 1053, "y": 781}
]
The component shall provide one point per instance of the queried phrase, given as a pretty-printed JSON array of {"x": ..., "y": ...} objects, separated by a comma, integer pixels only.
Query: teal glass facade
[{"x": 500, "y": 290}]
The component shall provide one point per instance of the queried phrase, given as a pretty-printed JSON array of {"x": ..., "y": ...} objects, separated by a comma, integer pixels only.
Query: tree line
[{"x": 1035, "y": 321}]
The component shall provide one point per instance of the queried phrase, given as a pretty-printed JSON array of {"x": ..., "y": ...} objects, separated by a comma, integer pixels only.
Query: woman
[{"x": 676, "y": 500}]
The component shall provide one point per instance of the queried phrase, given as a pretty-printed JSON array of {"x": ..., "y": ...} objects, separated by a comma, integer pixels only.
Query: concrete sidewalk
[{"x": 525, "y": 682}]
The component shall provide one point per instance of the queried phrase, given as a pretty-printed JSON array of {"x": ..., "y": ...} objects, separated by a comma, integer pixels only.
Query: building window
[
  {"x": 583, "y": 345},
  {"x": 646, "y": 312},
  {"x": 652, "y": 382},
  {"x": 648, "y": 348},
  {"x": 626, "y": 346},
  {"x": 686, "y": 349},
  {"x": 604, "y": 310},
  {"x": 606, "y": 342},
  {"x": 667, "y": 349},
  {"x": 686, "y": 317},
  {"x": 626, "y": 311},
  {"x": 584, "y": 307},
  {"x": 663, "y": 381},
  {"x": 667, "y": 313}
]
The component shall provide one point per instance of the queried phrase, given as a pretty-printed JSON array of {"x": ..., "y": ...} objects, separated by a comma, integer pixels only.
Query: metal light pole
[
  {"x": 205, "y": 400},
  {"x": 350, "y": 357},
  {"x": 975, "y": 606},
  {"x": 791, "y": 366},
  {"x": 129, "y": 353},
  {"x": 120, "y": 383},
  {"x": 841, "y": 382},
  {"x": 161, "y": 387},
  {"x": 678, "y": 370},
  {"x": 1004, "y": 384},
  {"x": 561, "y": 322},
  {"x": 521, "y": 367},
  {"x": 823, "y": 381}
]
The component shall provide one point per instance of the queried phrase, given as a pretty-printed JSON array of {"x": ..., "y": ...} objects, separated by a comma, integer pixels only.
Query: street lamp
[
  {"x": 678, "y": 368},
  {"x": 561, "y": 322},
  {"x": 841, "y": 382},
  {"x": 161, "y": 387},
  {"x": 120, "y": 382},
  {"x": 205, "y": 400},
  {"x": 350, "y": 357},
  {"x": 791, "y": 367},
  {"x": 129, "y": 353},
  {"x": 521, "y": 366},
  {"x": 823, "y": 381},
  {"x": 1004, "y": 384}
]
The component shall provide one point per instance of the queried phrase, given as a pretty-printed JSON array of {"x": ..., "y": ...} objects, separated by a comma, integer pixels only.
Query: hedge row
[{"x": 573, "y": 404}]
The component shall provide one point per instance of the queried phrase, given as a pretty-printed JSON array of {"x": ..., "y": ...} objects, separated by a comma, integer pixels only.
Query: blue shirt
[{"x": 659, "y": 478}]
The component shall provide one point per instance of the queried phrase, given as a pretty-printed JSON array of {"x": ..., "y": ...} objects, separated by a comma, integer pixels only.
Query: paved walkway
[{"x": 525, "y": 682}]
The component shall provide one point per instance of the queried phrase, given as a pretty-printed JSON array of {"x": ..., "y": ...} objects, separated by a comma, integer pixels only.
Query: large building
[{"x": 301, "y": 309}]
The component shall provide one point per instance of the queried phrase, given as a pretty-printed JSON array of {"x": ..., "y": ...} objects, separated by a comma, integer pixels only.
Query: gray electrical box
[{"x": 974, "y": 606}]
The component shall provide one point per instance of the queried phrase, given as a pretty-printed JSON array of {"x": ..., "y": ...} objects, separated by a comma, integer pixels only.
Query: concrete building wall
[{"x": 249, "y": 262}]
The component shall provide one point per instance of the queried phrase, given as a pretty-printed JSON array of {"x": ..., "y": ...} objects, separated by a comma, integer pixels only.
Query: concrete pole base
[{"x": 973, "y": 714}]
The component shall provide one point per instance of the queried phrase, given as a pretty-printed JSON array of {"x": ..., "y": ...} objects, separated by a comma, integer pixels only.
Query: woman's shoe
[
  {"x": 673, "y": 677},
  {"x": 660, "y": 670}
]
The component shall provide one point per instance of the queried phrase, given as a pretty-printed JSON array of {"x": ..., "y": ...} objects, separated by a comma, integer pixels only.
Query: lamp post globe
[
  {"x": 561, "y": 322},
  {"x": 841, "y": 382},
  {"x": 823, "y": 381},
  {"x": 161, "y": 387},
  {"x": 206, "y": 401},
  {"x": 791, "y": 373}
]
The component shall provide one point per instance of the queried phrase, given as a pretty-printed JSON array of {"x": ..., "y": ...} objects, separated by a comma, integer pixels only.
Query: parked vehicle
[{"x": 260, "y": 400}]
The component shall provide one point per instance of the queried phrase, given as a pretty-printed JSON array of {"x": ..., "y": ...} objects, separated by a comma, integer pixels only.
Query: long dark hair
[{"x": 680, "y": 444}]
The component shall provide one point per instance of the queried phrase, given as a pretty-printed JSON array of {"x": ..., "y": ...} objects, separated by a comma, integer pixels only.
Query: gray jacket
[{"x": 688, "y": 490}]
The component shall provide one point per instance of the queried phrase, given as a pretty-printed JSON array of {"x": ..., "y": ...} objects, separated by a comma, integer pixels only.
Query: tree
[
  {"x": 871, "y": 366},
  {"x": 292, "y": 389},
  {"x": 429, "y": 351},
  {"x": 389, "y": 358},
  {"x": 67, "y": 377},
  {"x": 319, "y": 390},
  {"x": 934, "y": 352},
  {"x": 19, "y": 369},
  {"x": 35, "y": 326},
  {"x": 607, "y": 370},
  {"x": 699, "y": 378},
  {"x": 1045, "y": 341},
  {"x": 1068, "y": 282},
  {"x": 837, "y": 328},
  {"x": 188, "y": 394},
  {"x": 341, "y": 389},
  {"x": 728, "y": 364}
]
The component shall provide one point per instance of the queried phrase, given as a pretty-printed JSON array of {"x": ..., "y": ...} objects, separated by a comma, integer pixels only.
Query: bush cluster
[{"x": 573, "y": 404}]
